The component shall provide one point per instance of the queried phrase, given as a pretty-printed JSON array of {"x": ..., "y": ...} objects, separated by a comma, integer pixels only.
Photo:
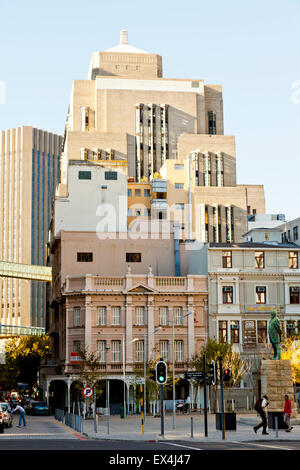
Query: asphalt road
[
  {"x": 45, "y": 434},
  {"x": 47, "y": 443}
]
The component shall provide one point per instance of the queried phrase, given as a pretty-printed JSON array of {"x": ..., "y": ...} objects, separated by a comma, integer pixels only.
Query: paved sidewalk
[{"x": 130, "y": 428}]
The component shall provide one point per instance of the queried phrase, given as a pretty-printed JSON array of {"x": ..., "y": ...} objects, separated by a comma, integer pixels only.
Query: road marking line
[
  {"x": 178, "y": 445},
  {"x": 261, "y": 445}
]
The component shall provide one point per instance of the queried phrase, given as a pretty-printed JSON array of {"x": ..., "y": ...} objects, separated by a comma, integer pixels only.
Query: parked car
[
  {"x": 7, "y": 416},
  {"x": 38, "y": 408},
  {"x": 1, "y": 421},
  {"x": 28, "y": 402}
]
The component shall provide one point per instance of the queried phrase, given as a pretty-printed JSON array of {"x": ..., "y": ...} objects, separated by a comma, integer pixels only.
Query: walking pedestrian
[
  {"x": 22, "y": 415},
  {"x": 260, "y": 406},
  {"x": 287, "y": 413},
  {"x": 187, "y": 404}
]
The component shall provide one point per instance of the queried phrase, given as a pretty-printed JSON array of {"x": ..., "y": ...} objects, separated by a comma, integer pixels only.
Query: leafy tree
[
  {"x": 88, "y": 371},
  {"x": 290, "y": 349},
  {"x": 24, "y": 355},
  {"x": 230, "y": 360}
]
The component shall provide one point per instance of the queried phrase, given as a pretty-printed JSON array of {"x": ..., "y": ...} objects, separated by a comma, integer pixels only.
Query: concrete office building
[
  {"x": 167, "y": 129},
  {"x": 29, "y": 171}
]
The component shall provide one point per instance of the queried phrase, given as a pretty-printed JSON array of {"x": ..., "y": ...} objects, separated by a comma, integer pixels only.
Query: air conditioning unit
[
  {"x": 260, "y": 289},
  {"x": 228, "y": 289}
]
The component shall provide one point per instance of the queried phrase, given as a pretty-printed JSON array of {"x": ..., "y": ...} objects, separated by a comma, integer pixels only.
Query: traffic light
[
  {"x": 211, "y": 373},
  {"x": 153, "y": 375},
  {"x": 161, "y": 372},
  {"x": 227, "y": 375}
]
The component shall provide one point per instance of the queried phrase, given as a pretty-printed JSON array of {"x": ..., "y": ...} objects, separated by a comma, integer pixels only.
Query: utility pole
[
  {"x": 162, "y": 410},
  {"x": 205, "y": 395},
  {"x": 222, "y": 398}
]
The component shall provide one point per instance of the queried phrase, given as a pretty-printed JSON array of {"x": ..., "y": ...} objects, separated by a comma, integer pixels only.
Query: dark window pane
[
  {"x": 133, "y": 257},
  {"x": 84, "y": 175},
  {"x": 85, "y": 257},
  {"x": 111, "y": 175}
]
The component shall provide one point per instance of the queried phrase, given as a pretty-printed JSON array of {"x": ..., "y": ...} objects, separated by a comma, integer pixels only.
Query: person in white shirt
[
  {"x": 187, "y": 404},
  {"x": 22, "y": 415},
  {"x": 261, "y": 411}
]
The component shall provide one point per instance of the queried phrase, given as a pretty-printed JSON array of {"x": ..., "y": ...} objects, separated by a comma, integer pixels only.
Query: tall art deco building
[
  {"x": 29, "y": 171},
  {"x": 171, "y": 134}
]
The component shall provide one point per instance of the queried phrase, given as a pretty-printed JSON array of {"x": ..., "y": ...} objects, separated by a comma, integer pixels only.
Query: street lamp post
[
  {"x": 145, "y": 360},
  {"x": 107, "y": 390},
  {"x": 146, "y": 352},
  {"x": 124, "y": 377}
]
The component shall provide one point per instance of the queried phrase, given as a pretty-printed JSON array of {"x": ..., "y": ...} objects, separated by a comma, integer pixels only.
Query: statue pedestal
[{"x": 276, "y": 381}]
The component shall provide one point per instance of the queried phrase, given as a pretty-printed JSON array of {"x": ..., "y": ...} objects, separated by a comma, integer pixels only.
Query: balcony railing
[
  {"x": 108, "y": 282},
  {"x": 170, "y": 282}
]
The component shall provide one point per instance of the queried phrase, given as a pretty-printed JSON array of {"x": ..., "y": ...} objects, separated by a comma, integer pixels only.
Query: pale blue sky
[{"x": 251, "y": 49}]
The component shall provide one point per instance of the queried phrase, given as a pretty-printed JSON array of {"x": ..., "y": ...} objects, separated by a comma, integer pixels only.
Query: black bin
[
  {"x": 229, "y": 419},
  {"x": 271, "y": 420}
]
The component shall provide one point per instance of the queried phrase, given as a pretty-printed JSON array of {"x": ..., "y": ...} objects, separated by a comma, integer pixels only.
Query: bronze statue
[{"x": 275, "y": 334}]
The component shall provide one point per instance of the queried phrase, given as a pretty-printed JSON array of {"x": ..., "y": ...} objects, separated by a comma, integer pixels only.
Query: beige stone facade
[
  {"x": 277, "y": 381},
  {"x": 115, "y": 300},
  {"x": 126, "y": 111}
]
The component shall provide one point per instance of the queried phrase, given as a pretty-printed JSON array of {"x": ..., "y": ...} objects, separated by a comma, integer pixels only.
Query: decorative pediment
[{"x": 140, "y": 289}]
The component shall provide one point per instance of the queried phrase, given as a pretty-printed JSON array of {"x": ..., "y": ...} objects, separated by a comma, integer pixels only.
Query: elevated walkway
[{"x": 25, "y": 271}]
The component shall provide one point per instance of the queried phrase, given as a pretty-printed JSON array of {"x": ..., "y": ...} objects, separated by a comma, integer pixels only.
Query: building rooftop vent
[
  {"x": 124, "y": 36},
  {"x": 124, "y": 46}
]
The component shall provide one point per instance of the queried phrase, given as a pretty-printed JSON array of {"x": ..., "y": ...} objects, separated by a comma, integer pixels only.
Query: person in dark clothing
[{"x": 261, "y": 411}]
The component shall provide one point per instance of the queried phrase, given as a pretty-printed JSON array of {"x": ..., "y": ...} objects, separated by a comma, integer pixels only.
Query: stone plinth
[{"x": 276, "y": 381}]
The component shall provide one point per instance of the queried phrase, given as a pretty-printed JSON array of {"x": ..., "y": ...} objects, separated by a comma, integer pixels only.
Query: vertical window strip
[
  {"x": 76, "y": 316},
  {"x": 220, "y": 169},
  {"x": 228, "y": 224},
  {"x": 139, "y": 351},
  {"x": 207, "y": 169},
  {"x": 101, "y": 316},
  {"x": 101, "y": 351},
  {"x": 48, "y": 180},
  {"x": 178, "y": 316},
  {"x": 140, "y": 316},
  {"x": 178, "y": 353},
  {"x": 116, "y": 316},
  {"x": 43, "y": 209},
  {"x": 33, "y": 178},
  {"x": 163, "y": 316},
  {"x": 20, "y": 202},
  {"x": 215, "y": 224},
  {"x": 164, "y": 349},
  {"x": 116, "y": 351}
]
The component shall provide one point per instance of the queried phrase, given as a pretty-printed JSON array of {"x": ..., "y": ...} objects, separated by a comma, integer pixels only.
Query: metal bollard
[
  {"x": 192, "y": 428},
  {"x": 276, "y": 426}
]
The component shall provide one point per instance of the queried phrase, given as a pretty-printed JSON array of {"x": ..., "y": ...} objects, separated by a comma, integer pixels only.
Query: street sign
[
  {"x": 140, "y": 380},
  {"x": 194, "y": 375},
  {"x": 88, "y": 392}
]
